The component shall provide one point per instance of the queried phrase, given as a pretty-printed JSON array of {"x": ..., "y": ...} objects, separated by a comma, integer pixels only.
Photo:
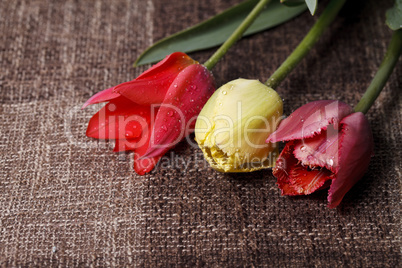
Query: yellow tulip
[{"x": 235, "y": 122}]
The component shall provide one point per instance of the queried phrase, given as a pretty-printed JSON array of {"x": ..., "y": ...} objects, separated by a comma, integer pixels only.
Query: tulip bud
[{"x": 235, "y": 122}]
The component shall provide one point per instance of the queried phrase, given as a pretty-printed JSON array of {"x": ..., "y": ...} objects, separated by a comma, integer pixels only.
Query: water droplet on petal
[
  {"x": 330, "y": 162},
  {"x": 175, "y": 85},
  {"x": 303, "y": 148},
  {"x": 191, "y": 100},
  {"x": 112, "y": 107},
  {"x": 224, "y": 92},
  {"x": 170, "y": 113},
  {"x": 164, "y": 128}
]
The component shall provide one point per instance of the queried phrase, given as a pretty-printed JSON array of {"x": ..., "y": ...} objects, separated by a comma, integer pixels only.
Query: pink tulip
[
  {"x": 327, "y": 144},
  {"x": 152, "y": 113}
]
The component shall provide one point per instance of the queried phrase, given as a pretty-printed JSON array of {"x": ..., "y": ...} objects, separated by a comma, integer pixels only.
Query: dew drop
[
  {"x": 224, "y": 92},
  {"x": 164, "y": 128},
  {"x": 129, "y": 133},
  {"x": 330, "y": 162},
  {"x": 191, "y": 100},
  {"x": 175, "y": 85},
  {"x": 170, "y": 113},
  {"x": 112, "y": 107},
  {"x": 220, "y": 104},
  {"x": 303, "y": 148}
]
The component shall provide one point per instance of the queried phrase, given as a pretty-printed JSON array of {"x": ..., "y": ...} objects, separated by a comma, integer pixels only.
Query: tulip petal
[
  {"x": 171, "y": 63},
  {"x": 151, "y": 86},
  {"x": 144, "y": 165},
  {"x": 103, "y": 96},
  {"x": 322, "y": 150},
  {"x": 310, "y": 119},
  {"x": 356, "y": 149},
  {"x": 295, "y": 178},
  {"x": 183, "y": 102},
  {"x": 139, "y": 145},
  {"x": 118, "y": 119},
  {"x": 125, "y": 145}
]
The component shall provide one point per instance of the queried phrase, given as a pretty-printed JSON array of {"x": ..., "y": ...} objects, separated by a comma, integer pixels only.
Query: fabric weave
[{"x": 67, "y": 200}]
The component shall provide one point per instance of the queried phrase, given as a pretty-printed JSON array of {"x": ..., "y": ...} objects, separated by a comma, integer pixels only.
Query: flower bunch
[{"x": 329, "y": 144}]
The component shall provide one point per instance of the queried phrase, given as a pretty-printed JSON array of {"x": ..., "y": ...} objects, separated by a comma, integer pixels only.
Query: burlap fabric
[{"x": 67, "y": 200}]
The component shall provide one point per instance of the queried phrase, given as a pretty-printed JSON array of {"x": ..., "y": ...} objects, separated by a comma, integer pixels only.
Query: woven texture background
[{"x": 67, "y": 200}]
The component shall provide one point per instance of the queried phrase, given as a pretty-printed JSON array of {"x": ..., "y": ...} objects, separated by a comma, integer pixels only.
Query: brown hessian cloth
[{"x": 67, "y": 200}]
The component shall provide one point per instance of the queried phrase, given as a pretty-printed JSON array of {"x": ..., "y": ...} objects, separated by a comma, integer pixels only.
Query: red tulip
[
  {"x": 327, "y": 143},
  {"x": 153, "y": 112}
]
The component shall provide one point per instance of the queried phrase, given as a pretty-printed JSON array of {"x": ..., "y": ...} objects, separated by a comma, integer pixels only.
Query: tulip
[
  {"x": 326, "y": 144},
  {"x": 152, "y": 113},
  {"x": 233, "y": 125}
]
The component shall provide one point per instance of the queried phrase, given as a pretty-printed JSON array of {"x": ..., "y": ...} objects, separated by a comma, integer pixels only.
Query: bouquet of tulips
[{"x": 238, "y": 125}]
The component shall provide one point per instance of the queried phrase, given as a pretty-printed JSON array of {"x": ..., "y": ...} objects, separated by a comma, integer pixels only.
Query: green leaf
[
  {"x": 312, "y": 5},
  {"x": 293, "y": 3},
  {"x": 217, "y": 29},
  {"x": 394, "y": 16}
]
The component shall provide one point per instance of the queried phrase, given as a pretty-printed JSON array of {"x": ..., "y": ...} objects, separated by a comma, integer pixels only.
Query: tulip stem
[
  {"x": 384, "y": 71},
  {"x": 327, "y": 16},
  {"x": 236, "y": 35}
]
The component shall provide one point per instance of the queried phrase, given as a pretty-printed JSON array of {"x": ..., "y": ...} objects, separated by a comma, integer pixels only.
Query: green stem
[
  {"x": 306, "y": 44},
  {"x": 384, "y": 71},
  {"x": 236, "y": 35}
]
